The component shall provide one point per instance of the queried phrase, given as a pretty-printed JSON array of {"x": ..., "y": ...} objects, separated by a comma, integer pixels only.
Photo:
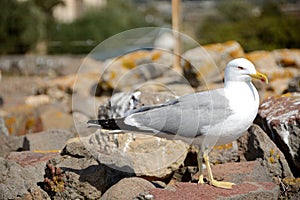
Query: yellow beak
[{"x": 260, "y": 76}]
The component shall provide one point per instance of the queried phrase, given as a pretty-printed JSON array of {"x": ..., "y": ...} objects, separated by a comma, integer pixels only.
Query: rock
[
  {"x": 279, "y": 74},
  {"x": 140, "y": 154},
  {"x": 256, "y": 145},
  {"x": 60, "y": 89},
  {"x": 294, "y": 85},
  {"x": 280, "y": 117},
  {"x": 3, "y": 128},
  {"x": 85, "y": 106},
  {"x": 37, "y": 100},
  {"x": 36, "y": 193},
  {"x": 11, "y": 143},
  {"x": 75, "y": 148},
  {"x": 251, "y": 181},
  {"x": 84, "y": 178},
  {"x": 28, "y": 158},
  {"x": 39, "y": 65},
  {"x": 288, "y": 57},
  {"x": 138, "y": 69},
  {"x": 248, "y": 191},
  {"x": 51, "y": 140},
  {"x": 128, "y": 188},
  {"x": 20, "y": 182},
  {"x": 208, "y": 62},
  {"x": 54, "y": 118},
  {"x": 21, "y": 119},
  {"x": 240, "y": 172}
]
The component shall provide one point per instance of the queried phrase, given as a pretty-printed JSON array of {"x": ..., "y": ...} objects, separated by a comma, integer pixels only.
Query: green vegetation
[
  {"x": 96, "y": 25},
  {"x": 17, "y": 35},
  {"x": 255, "y": 26}
]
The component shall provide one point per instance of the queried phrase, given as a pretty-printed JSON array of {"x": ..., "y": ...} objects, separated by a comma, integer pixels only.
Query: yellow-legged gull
[{"x": 209, "y": 118}]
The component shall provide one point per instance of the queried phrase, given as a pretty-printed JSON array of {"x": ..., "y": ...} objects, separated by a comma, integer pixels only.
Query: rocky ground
[{"x": 47, "y": 152}]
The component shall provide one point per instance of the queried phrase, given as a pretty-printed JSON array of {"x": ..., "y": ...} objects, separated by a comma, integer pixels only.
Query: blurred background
[{"x": 77, "y": 26}]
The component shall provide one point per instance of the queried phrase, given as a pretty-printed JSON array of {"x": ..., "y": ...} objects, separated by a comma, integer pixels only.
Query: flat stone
[
  {"x": 132, "y": 153},
  {"x": 28, "y": 158},
  {"x": 144, "y": 155},
  {"x": 54, "y": 118},
  {"x": 251, "y": 181},
  {"x": 247, "y": 190},
  {"x": 239, "y": 172},
  {"x": 51, "y": 140},
  {"x": 128, "y": 188}
]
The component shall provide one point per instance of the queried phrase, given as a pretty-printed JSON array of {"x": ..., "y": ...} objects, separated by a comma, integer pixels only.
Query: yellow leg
[
  {"x": 200, "y": 161},
  {"x": 212, "y": 181}
]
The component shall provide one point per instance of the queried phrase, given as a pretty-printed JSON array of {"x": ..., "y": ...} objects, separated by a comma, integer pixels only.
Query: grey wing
[{"x": 187, "y": 116}]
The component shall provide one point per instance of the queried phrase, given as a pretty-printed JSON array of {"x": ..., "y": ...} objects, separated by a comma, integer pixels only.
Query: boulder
[
  {"x": 53, "y": 117},
  {"x": 276, "y": 67},
  {"x": 280, "y": 117},
  {"x": 21, "y": 119},
  {"x": 133, "y": 153},
  {"x": 294, "y": 85},
  {"x": 255, "y": 144},
  {"x": 51, "y": 140},
  {"x": 128, "y": 188},
  {"x": 81, "y": 177},
  {"x": 130, "y": 70},
  {"x": 251, "y": 180},
  {"x": 11, "y": 143},
  {"x": 208, "y": 62},
  {"x": 288, "y": 57},
  {"x": 20, "y": 182}
]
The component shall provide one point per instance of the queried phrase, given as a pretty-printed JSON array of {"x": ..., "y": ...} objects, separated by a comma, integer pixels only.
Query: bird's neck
[{"x": 241, "y": 87}]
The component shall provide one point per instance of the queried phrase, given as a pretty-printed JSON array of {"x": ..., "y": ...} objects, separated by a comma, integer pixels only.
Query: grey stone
[
  {"x": 128, "y": 188},
  {"x": 54, "y": 139},
  {"x": 12, "y": 143},
  {"x": 294, "y": 85},
  {"x": 17, "y": 181},
  {"x": 280, "y": 119},
  {"x": 39, "y": 65},
  {"x": 256, "y": 145},
  {"x": 3, "y": 128},
  {"x": 142, "y": 154},
  {"x": 85, "y": 178}
]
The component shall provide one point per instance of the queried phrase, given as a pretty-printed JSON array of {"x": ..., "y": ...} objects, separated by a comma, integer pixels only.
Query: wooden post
[{"x": 176, "y": 22}]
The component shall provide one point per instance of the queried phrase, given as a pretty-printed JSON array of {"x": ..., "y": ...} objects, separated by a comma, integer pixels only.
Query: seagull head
[{"x": 241, "y": 69}]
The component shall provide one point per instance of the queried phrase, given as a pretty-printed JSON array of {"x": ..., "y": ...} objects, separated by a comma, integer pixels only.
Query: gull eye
[{"x": 241, "y": 68}]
